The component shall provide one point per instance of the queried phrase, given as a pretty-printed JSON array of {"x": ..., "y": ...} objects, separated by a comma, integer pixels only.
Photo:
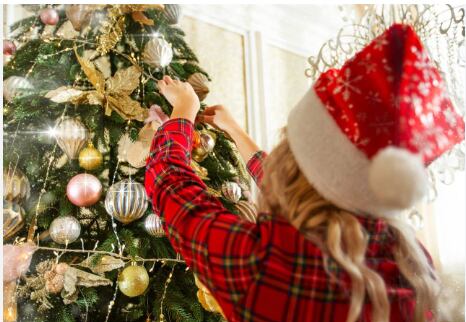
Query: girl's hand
[
  {"x": 181, "y": 96},
  {"x": 220, "y": 117}
]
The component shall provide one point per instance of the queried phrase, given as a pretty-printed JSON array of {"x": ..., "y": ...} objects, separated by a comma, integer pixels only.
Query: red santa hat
[{"x": 364, "y": 134}]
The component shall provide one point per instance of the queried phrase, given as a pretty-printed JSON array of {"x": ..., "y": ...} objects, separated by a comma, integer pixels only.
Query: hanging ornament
[
  {"x": 133, "y": 280},
  {"x": 14, "y": 86},
  {"x": 66, "y": 31},
  {"x": 49, "y": 16},
  {"x": 13, "y": 219},
  {"x": 153, "y": 225},
  {"x": 9, "y": 47},
  {"x": 206, "y": 299},
  {"x": 206, "y": 145},
  {"x": 231, "y": 191},
  {"x": 71, "y": 135},
  {"x": 79, "y": 15},
  {"x": 84, "y": 190},
  {"x": 90, "y": 158},
  {"x": 173, "y": 13},
  {"x": 157, "y": 52},
  {"x": 55, "y": 278},
  {"x": 137, "y": 152},
  {"x": 16, "y": 187},
  {"x": 65, "y": 230},
  {"x": 196, "y": 139},
  {"x": 199, "y": 83},
  {"x": 126, "y": 201},
  {"x": 247, "y": 210}
]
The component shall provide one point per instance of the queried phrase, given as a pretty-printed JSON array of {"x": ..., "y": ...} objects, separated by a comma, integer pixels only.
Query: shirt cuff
[
  {"x": 254, "y": 165},
  {"x": 182, "y": 127}
]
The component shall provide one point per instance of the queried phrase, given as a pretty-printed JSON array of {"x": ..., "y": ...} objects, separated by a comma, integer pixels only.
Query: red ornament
[
  {"x": 84, "y": 190},
  {"x": 9, "y": 47},
  {"x": 49, "y": 16}
]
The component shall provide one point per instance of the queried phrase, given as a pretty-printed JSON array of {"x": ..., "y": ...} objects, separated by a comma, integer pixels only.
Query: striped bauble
[
  {"x": 247, "y": 210},
  {"x": 153, "y": 225},
  {"x": 126, "y": 201}
]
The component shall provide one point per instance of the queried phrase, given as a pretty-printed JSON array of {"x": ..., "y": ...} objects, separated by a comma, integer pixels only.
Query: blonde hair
[{"x": 340, "y": 236}]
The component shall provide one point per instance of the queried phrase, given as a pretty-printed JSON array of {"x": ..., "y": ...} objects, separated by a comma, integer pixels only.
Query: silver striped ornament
[
  {"x": 153, "y": 226},
  {"x": 71, "y": 135},
  {"x": 126, "y": 201},
  {"x": 173, "y": 13}
]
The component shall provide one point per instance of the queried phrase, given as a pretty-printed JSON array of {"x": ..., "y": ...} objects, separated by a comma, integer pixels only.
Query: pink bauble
[
  {"x": 49, "y": 16},
  {"x": 84, "y": 190},
  {"x": 9, "y": 47}
]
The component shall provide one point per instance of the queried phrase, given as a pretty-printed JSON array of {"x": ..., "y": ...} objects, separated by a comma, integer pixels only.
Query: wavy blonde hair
[{"x": 339, "y": 235}]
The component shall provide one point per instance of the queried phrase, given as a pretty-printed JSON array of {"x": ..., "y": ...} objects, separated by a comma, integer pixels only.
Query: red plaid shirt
[{"x": 257, "y": 272}]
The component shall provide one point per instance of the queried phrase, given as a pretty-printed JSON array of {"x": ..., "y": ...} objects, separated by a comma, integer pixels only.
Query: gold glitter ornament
[
  {"x": 90, "y": 158},
  {"x": 133, "y": 280}
]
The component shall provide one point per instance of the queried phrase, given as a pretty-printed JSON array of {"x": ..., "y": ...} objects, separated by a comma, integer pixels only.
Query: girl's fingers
[
  {"x": 161, "y": 85},
  {"x": 206, "y": 119},
  {"x": 168, "y": 79},
  {"x": 210, "y": 110}
]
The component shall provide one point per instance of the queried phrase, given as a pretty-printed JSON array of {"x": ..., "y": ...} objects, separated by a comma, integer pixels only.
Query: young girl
[{"x": 329, "y": 244}]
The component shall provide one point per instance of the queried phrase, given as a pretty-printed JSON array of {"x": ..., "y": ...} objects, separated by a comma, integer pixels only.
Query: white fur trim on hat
[
  {"x": 398, "y": 177},
  {"x": 330, "y": 161}
]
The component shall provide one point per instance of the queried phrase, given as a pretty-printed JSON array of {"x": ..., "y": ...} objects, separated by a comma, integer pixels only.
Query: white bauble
[{"x": 14, "y": 85}]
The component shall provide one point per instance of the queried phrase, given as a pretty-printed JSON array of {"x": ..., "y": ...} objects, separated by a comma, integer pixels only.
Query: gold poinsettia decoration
[
  {"x": 112, "y": 27},
  {"x": 112, "y": 93}
]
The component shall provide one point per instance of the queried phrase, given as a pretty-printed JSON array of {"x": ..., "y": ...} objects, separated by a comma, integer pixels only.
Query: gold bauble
[
  {"x": 204, "y": 147},
  {"x": 90, "y": 158},
  {"x": 133, "y": 280},
  {"x": 206, "y": 299}
]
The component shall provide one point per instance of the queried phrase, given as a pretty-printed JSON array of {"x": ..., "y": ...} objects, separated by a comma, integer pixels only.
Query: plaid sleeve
[
  {"x": 254, "y": 166},
  {"x": 221, "y": 249}
]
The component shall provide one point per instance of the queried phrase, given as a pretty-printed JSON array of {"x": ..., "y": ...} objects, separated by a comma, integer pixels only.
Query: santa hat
[{"x": 364, "y": 134}]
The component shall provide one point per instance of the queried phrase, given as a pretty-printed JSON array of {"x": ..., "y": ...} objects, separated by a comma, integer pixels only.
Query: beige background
[
  {"x": 285, "y": 85},
  {"x": 221, "y": 54}
]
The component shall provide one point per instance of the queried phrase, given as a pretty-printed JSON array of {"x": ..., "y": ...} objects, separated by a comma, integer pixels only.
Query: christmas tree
[{"x": 81, "y": 105}]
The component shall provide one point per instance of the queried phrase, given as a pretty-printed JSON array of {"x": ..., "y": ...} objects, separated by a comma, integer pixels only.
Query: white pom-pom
[{"x": 398, "y": 178}]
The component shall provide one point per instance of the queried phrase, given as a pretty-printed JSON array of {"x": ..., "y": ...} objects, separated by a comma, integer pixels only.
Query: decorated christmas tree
[{"x": 81, "y": 105}]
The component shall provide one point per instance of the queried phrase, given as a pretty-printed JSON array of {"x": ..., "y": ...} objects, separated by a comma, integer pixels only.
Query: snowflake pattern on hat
[{"x": 391, "y": 94}]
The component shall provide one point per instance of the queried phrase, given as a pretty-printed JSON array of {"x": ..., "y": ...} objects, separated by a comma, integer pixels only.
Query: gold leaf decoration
[
  {"x": 66, "y": 31},
  {"x": 112, "y": 94},
  {"x": 105, "y": 264},
  {"x": 95, "y": 77},
  {"x": 125, "y": 81},
  {"x": 74, "y": 277},
  {"x": 112, "y": 31},
  {"x": 140, "y": 17},
  {"x": 63, "y": 94}
]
